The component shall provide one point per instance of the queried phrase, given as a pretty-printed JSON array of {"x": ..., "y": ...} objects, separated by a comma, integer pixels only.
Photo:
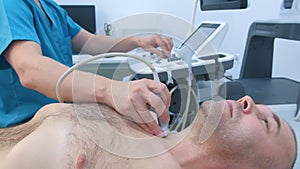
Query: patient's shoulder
[
  {"x": 73, "y": 112},
  {"x": 62, "y": 109},
  {"x": 53, "y": 110}
]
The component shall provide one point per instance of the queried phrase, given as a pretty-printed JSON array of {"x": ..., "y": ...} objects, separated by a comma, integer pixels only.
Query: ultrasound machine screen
[{"x": 201, "y": 34}]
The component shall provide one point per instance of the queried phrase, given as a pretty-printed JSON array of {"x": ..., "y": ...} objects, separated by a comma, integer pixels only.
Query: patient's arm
[{"x": 59, "y": 136}]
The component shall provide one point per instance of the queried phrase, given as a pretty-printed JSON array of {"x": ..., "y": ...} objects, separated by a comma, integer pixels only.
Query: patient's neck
[{"x": 192, "y": 156}]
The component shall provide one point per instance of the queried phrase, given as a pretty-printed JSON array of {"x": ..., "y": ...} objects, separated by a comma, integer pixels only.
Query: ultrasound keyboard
[{"x": 176, "y": 65}]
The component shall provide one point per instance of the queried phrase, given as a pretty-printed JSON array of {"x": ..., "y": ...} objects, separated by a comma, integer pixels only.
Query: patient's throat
[{"x": 81, "y": 161}]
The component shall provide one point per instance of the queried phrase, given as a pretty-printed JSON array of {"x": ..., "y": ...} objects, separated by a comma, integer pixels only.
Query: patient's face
[{"x": 247, "y": 129}]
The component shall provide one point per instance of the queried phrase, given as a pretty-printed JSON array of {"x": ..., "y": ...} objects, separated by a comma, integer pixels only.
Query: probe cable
[
  {"x": 104, "y": 55},
  {"x": 134, "y": 56}
]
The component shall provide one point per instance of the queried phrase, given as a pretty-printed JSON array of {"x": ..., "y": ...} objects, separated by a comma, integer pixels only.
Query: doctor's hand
[
  {"x": 133, "y": 100},
  {"x": 153, "y": 42}
]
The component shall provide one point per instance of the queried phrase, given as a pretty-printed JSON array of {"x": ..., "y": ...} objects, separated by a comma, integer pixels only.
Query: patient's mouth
[{"x": 230, "y": 107}]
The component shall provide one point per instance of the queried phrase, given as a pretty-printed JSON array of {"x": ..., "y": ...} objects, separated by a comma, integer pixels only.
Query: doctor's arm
[
  {"x": 86, "y": 42},
  {"x": 41, "y": 73}
]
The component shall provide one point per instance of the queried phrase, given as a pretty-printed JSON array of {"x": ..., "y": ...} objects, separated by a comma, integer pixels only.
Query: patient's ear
[{"x": 81, "y": 161}]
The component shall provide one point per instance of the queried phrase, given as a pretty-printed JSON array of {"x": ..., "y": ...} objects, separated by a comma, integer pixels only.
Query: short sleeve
[
  {"x": 16, "y": 23},
  {"x": 73, "y": 27},
  {"x": 5, "y": 33}
]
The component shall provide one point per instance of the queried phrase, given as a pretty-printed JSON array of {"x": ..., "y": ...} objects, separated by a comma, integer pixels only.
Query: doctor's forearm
[
  {"x": 79, "y": 85},
  {"x": 92, "y": 44},
  {"x": 41, "y": 74},
  {"x": 86, "y": 42},
  {"x": 103, "y": 44}
]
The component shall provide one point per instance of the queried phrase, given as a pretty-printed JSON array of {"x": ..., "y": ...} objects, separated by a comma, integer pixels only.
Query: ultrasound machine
[{"x": 193, "y": 61}]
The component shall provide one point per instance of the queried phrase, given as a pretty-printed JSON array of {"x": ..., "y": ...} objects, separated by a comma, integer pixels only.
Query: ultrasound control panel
[
  {"x": 162, "y": 64},
  {"x": 174, "y": 65},
  {"x": 194, "y": 54}
]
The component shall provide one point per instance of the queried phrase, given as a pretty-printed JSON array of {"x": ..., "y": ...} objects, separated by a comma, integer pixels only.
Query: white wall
[
  {"x": 114, "y": 10},
  {"x": 286, "y": 56},
  {"x": 238, "y": 22},
  {"x": 286, "y": 59}
]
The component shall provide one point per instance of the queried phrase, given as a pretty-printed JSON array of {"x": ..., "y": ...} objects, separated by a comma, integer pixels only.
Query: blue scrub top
[{"x": 53, "y": 30}]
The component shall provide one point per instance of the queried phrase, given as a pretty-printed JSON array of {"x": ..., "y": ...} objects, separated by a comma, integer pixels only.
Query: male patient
[{"x": 224, "y": 135}]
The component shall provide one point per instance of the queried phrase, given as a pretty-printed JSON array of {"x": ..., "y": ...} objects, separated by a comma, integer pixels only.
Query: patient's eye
[
  {"x": 266, "y": 123},
  {"x": 264, "y": 120}
]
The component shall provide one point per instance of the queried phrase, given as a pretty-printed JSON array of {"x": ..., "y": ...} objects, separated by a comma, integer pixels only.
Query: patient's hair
[
  {"x": 78, "y": 140},
  {"x": 272, "y": 163},
  {"x": 12, "y": 135},
  {"x": 296, "y": 148}
]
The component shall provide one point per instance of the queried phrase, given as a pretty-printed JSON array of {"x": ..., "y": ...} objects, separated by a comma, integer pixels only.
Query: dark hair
[
  {"x": 269, "y": 162},
  {"x": 296, "y": 148}
]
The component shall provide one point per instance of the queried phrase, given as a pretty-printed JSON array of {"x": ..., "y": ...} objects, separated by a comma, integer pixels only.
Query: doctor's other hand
[
  {"x": 153, "y": 42},
  {"x": 134, "y": 99}
]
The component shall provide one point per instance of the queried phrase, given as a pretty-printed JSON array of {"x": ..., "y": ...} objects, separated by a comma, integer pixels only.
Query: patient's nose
[{"x": 247, "y": 104}]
